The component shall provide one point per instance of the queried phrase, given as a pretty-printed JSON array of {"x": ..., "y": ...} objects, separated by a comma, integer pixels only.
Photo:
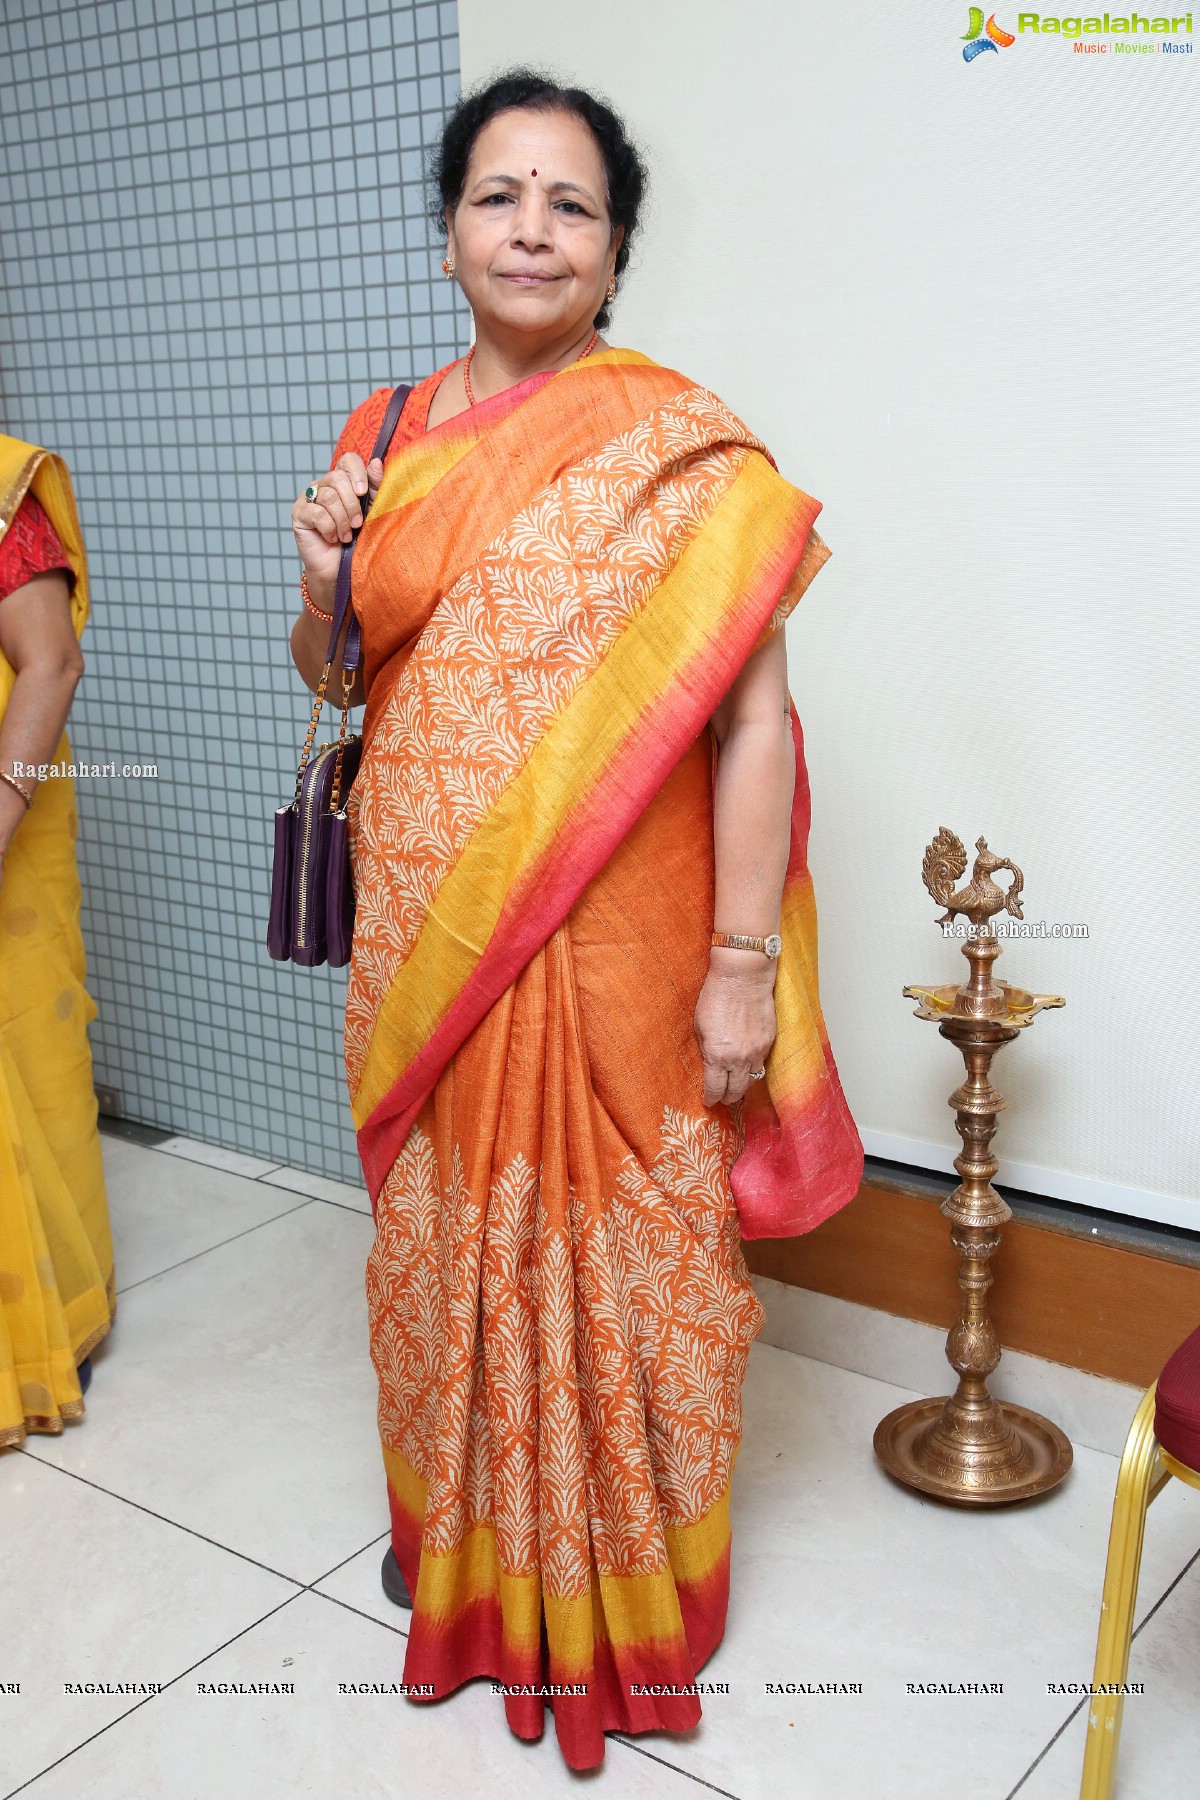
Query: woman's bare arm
[
  {"x": 38, "y": 638},
  {"x": 752, "y": 807}
]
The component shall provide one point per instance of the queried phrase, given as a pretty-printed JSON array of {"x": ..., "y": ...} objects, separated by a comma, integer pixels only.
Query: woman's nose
[{"x": 531, "y": 225}]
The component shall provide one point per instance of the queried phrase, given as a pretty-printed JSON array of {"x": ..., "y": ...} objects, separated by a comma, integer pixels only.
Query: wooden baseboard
[{"x": 1057, "y": 1294}]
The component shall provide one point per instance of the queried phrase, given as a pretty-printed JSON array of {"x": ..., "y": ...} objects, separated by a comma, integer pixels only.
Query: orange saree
[{"x": 555, "y": 590}]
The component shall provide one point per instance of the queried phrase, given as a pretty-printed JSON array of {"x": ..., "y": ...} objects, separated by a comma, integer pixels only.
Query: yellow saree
[
  {"x": 555, "y": 590},
  {"x": 57, "y": 1297}
]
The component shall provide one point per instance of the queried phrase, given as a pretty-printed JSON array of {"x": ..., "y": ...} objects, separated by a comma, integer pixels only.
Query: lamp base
[{"x": 1010, "y": 1453}]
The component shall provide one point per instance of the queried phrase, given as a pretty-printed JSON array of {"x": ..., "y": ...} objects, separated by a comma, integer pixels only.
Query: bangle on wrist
[
  {"x": 326, "y": 618},
  {"x": 12, "y": 781}
]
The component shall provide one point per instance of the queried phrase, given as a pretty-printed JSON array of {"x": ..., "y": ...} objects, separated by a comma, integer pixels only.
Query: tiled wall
[{"x": 213, "y": 244}]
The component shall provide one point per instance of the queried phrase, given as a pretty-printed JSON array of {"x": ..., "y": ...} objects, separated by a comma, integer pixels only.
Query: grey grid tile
[{"x": 219, "y": 250}]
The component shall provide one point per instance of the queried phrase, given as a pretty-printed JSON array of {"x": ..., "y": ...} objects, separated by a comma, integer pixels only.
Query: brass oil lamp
[{"x": 970, "y": 1447}]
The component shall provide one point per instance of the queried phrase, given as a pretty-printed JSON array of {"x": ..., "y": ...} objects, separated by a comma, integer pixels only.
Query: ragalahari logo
[{"x": 974, "y": 42}]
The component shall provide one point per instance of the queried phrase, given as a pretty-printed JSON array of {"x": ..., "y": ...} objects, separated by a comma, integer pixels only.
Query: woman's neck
[{"x": 499, "y": 363}]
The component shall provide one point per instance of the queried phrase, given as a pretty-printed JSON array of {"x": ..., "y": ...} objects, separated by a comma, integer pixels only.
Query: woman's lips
[{"x": 524, "y": 280}]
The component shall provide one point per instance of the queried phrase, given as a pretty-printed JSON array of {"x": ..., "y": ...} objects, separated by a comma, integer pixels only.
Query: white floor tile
[
  {"x": 1159, "y": 1748},
  {"x": 215, "y": 1156},
  {"x": 1091, "y": 1410},
  {"x": 164, "y": 1210},
  {"x": 839, "y": 1575},
  {"x": 95, "y": 1590},
  {"x": 236, "y": 1395},
  {"x": 357, "y": 1583},
  {"x": 329, "y": 1746},
  {"x": 319, "y": 1187}
]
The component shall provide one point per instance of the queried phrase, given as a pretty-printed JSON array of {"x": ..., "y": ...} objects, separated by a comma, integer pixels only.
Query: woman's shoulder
[
  {"x": 30, "y": 547},
  {"x": 362, "y": 427},
  {"x": 659, "y": 385}
]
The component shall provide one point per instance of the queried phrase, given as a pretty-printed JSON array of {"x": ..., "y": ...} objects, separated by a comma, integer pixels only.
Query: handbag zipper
[{"x": 309, "y": 808}]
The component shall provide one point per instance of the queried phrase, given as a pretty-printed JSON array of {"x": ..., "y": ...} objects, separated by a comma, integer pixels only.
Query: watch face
[{"x": 773, "y": 945}]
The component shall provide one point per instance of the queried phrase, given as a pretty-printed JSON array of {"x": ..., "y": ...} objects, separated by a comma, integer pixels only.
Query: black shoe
[
  {"x": 394, "y": 1584},
  {"x": 84, "y": 1372}
]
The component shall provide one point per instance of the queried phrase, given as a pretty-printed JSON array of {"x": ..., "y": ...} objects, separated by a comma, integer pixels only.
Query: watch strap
[{"x": 735, "y": 940}]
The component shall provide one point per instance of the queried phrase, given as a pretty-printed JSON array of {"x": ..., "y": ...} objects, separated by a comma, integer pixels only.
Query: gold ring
[{"x": 310, "y": 492}]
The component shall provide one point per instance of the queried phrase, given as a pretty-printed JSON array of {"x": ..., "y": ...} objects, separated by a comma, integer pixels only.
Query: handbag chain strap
[{"x": 341, "y": 608}]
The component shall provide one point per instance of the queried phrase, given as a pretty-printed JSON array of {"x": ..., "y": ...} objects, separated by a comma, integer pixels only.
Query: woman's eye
[{"x": 572, "y": 206}]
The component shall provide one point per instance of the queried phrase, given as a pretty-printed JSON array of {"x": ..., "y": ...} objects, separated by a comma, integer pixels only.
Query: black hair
[{"x": 529, "y": 90}]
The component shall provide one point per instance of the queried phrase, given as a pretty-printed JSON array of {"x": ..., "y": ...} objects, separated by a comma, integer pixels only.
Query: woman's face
[{"x": 530, "y": 237}]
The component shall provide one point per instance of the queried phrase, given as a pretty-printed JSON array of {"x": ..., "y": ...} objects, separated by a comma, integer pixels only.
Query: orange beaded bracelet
[{"x": 326, "y": 618}]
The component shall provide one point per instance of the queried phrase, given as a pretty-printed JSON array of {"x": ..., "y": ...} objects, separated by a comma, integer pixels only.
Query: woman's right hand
[{"x": 323, "y": 525}]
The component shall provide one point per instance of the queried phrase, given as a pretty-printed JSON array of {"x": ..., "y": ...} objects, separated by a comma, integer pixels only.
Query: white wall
[{"x": 958, "y": 302}]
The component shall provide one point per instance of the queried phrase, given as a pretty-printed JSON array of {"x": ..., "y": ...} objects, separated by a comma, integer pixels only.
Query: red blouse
[
  {"x": 30, "y": 547},
  {"x": 362, "y": 427}
]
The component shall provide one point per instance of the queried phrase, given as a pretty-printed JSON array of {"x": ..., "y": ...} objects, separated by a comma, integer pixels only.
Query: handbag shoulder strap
[{"x": 341, "y": 603}]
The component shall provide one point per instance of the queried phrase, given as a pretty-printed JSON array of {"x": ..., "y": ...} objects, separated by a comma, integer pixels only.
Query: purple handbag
[{"x": 312, "y": 885}]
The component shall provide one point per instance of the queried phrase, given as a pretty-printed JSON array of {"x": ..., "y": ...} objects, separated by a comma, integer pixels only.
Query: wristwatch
[{"x": 732, "y": 940}]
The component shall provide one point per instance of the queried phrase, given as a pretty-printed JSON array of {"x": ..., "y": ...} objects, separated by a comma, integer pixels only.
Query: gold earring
[
  {"x": 448, "y": 268},
  {"x": 612, "y": 288}
]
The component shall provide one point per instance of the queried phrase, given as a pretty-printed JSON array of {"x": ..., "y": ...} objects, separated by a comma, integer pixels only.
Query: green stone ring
[{"x": 310, "y": 492}]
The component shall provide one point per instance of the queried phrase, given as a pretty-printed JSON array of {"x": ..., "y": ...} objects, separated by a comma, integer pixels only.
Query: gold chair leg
[{"x": 1139, "y": 1478}]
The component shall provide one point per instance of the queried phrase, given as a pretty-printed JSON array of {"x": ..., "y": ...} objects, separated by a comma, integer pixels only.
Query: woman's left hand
[{"x": 735, "y": 1028}]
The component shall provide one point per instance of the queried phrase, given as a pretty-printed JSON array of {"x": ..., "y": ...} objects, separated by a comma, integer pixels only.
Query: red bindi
[{"x": 533, "y": 171}]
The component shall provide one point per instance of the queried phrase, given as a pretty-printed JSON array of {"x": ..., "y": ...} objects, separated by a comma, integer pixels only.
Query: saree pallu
[
  {"x": 57, "y": 1292},
  {"x": 556, "y": 589}
]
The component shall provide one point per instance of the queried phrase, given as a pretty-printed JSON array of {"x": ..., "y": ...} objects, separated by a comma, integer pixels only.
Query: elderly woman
[
  {"x": 57, "y": 1297},
  {"x": 583, "y": 1034}
]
